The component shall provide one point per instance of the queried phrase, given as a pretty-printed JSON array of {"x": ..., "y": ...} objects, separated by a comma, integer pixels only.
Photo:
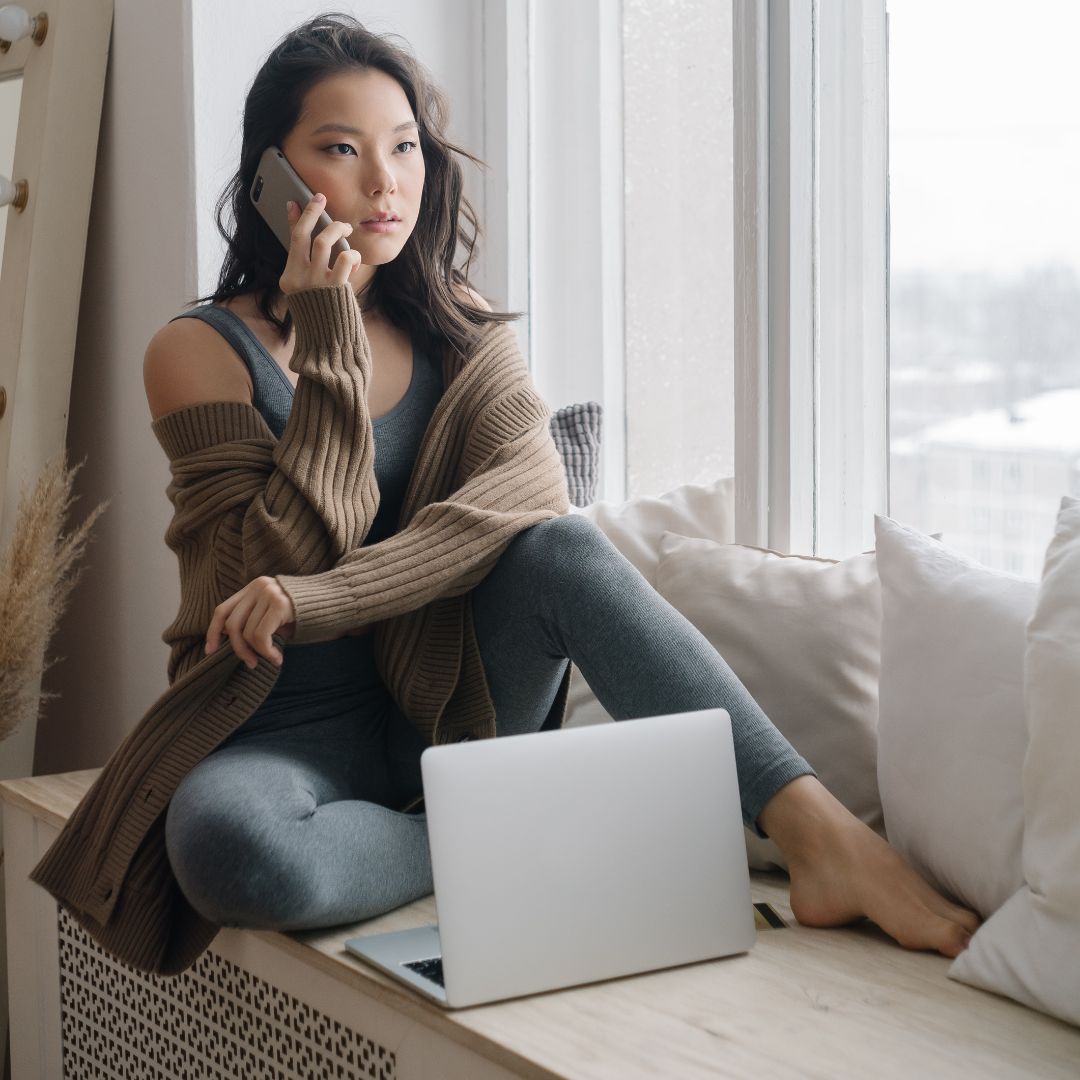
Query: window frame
[
  {"x": 811, "y": 319},
  {"x": 811, "y": 273},
  {"x": 553, "y": 201}
]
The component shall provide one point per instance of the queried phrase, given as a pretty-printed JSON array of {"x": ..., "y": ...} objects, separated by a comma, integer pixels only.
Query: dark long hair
[{"x": 414, "y": 291}]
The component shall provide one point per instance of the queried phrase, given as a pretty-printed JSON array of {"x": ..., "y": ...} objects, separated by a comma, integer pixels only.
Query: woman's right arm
[{"x": 251, "y": 504}]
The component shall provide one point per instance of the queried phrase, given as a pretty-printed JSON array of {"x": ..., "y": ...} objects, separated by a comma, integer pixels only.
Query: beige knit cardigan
[{"x": 247, "y": 504}]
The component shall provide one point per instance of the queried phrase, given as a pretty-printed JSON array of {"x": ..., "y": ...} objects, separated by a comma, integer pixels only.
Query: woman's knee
[
  {"x": 558, "y": 545},
  {"x": 222, "y": 861}
]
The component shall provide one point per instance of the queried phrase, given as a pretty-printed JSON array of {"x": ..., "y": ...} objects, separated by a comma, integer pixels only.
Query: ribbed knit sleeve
[
  {"x": 514, "y": 478},
  {"x": 318, "y": 496},
  {"x": 247, "y": 504}
]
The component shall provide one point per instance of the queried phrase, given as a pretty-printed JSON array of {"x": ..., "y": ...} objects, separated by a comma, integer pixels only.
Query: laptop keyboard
[{"x": 430, "y": 969}]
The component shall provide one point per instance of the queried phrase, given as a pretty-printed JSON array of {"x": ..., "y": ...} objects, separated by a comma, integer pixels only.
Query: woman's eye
[{"x": 348, "y": 147}]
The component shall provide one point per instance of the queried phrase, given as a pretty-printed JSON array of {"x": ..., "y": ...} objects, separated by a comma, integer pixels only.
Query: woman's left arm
[{"x": 512, "y": 477}]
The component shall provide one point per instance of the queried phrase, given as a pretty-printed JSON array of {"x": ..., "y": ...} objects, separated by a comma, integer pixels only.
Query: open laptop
[{"x": 575, "y": 855}]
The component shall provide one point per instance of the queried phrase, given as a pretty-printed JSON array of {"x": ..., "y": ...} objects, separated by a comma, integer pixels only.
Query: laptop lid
[{"x": 579, "y": 854}]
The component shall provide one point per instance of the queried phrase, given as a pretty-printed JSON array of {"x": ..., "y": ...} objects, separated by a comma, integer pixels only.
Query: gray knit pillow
[{"x": 576, "y": 431}]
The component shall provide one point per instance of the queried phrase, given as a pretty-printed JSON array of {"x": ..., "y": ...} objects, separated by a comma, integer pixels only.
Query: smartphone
[{"x": 276, "y": 181}]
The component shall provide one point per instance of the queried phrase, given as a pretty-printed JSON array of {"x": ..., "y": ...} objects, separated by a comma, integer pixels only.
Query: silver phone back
[
  {"x": 275, "y": 183},
  {"x": 568, "y": 856}
]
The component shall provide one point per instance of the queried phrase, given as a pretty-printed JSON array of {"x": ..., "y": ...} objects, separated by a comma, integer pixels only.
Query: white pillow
[
  {"x": 1030, "y": 948},
  {"x": 951, "y": 735},
  {"x": 802, "y": 635},
  {"x": 635, "y": 527}
]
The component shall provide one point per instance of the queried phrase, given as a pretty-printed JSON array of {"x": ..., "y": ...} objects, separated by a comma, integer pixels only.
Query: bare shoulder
[
  {"x": 471, "y": 296},
  {"x": 188, "y": 362}
]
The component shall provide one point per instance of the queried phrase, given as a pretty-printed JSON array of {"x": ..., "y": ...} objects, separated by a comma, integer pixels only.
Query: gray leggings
[{"x": 291, "y": 828}]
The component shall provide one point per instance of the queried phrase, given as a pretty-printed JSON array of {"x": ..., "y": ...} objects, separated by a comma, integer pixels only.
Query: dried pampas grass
[{"x": 37, "y": 574}]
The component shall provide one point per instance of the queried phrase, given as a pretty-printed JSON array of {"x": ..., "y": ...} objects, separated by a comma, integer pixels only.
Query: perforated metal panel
[{"x": 214, "y": 1020}]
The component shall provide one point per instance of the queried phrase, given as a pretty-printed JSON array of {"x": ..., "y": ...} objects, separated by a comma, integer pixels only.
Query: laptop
[{"x": 576, "y": 855}]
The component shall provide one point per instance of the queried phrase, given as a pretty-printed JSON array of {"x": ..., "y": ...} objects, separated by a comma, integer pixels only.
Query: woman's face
[{"x": 357, "y": 142}]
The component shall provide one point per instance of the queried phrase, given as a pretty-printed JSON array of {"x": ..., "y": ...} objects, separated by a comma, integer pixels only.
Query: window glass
[
  {"x": 984, "y": 256},
  {"x": 679, "y": 243}
]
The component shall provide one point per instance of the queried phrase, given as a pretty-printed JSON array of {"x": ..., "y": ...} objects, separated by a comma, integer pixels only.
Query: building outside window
[{"x": 984, "y": 254}]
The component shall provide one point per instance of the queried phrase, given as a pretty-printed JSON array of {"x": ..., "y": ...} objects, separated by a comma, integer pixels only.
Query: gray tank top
[{"x": 326, "y": 678}]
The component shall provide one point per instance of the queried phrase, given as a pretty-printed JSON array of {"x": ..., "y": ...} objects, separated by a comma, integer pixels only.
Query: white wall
[
  {"x": 169, "y": 140},
  {"x": 231, "y": 40}
]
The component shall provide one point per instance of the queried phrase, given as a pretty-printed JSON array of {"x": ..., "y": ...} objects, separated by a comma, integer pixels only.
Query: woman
[{"x": 290, "y": 822}]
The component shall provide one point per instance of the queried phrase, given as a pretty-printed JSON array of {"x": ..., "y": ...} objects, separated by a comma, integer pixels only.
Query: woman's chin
[{"x": 378, "y": 254}]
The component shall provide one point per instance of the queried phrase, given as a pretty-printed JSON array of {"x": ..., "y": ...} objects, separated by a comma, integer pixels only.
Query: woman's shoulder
[{"x": 188, "y": 362}]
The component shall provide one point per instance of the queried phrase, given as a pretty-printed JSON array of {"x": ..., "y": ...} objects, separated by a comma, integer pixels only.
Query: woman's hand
[
  {"x": 249, "y": 618},
  {"x": 309, "y": 262}
]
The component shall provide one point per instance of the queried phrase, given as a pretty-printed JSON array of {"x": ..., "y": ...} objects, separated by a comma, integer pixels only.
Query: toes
[
  {"x": 954, "y": 913},
  {"x": 954, "y": 939},
  {"x": 945, "y": 936},
  {"x": 967, "y": 919}
]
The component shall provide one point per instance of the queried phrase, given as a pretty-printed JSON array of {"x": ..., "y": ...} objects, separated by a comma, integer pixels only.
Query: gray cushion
[{"x": 576, "y": 430}]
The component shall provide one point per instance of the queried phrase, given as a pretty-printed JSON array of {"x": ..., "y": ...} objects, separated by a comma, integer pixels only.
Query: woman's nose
[{"x": 380, "y": 179}]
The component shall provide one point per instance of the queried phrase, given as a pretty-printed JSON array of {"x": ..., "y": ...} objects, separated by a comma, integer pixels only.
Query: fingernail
[
  {"x": 320, "y": 197},
  {"x": 290, "y": 205}
]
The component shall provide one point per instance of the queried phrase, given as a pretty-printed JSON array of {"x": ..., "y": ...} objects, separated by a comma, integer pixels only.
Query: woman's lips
[{"x": 379, "y": 226}]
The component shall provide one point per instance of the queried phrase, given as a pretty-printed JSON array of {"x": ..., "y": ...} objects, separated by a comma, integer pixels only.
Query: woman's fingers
[
  {"x": 320, "y": 251},
  {"x": 250, "y": 618},
  {"x": 264, "y": 622},
  {"x": 345, "y": 265},
  {"x": 235, "y": 626},
  {"x": 217, "y": 624},
  {"x": 308, "y": 264},
  {"x": 302, "y": 224}
]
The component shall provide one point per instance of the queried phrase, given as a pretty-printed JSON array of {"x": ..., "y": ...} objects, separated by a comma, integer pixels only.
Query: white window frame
[
  {"x": 811, "y": 343},
  {"x": 554, "y": 201},
  {"x": 811, "y": 274}
]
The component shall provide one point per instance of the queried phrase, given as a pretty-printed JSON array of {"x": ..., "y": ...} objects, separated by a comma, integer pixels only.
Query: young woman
[{"x": 299, "y": 818}]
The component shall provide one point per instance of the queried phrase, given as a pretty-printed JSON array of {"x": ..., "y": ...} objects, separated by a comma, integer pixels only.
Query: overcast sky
[{"x": 984, "y": 116}]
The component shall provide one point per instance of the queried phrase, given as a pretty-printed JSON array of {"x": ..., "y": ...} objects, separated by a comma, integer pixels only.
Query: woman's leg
[
  {"x": 562, "y": 590},
  {"x": 287, "y": 829}
]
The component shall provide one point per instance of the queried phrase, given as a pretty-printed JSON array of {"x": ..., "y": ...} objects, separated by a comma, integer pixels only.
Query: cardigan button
[
  {"x": 107, "y": 893},
  {"x": 464, "y": 738}
]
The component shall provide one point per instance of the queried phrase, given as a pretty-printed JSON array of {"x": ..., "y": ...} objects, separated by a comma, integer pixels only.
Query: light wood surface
[{"x": 802, "y": 1002}]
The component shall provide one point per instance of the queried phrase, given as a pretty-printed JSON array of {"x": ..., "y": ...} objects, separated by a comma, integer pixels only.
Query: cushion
[
  {"x": 635, "y": 526},
  {"x": 576, "y": 430},
  {"x": 802, "y": 634},
  {"x": 1030, "y": 948},
  {"x": 951, "y": 735}
]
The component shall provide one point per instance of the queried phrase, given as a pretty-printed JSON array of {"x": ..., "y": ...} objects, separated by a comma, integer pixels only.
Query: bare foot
[{"x": 841, "y": 871}]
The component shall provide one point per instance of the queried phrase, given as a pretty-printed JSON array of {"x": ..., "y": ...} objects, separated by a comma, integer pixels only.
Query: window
[
  {"x": 677, "y": 160},
  {"x": 810, "y": 274},
  {"x": 631, "y": 222},
  {"x": 984, "y": 253}
]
